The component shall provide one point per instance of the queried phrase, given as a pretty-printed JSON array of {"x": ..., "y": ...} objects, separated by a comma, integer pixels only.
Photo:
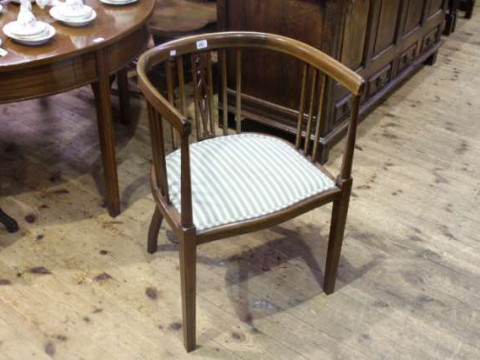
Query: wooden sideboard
[{"x": 385, "y": 41}]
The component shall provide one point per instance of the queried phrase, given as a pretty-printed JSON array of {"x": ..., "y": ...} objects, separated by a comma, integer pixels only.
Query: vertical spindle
[
  {"x": 181, "y": 85},
  {"x": 210, "y": 103},
  {"x": 321, "y": 105},
  {"x": 238, "y": 110},
  {"x": 223, "y": 61},
  {"x": 301, "y": 108},
  {"x": 308, "y": 134},
  {"x": 158, "y": 151},
  {"x": 196, "y": 96},
  {"x": 171, "y": 95}
]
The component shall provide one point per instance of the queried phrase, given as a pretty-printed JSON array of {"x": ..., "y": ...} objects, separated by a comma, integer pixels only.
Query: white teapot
[
  {"x": 25, "y": 15},
  {"x": 26, "y": 24},
  {"x": 42, "y": 3}
]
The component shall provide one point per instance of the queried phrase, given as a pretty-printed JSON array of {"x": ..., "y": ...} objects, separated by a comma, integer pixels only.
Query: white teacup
[{"x": 74, "y": 9}]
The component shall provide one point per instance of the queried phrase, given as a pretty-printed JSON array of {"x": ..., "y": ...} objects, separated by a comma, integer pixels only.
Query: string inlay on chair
[{"x": 235, "y": 184}]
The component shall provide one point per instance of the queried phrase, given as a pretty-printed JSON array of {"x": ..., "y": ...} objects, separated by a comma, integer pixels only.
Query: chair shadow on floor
[{"x": 290, "y": 248}]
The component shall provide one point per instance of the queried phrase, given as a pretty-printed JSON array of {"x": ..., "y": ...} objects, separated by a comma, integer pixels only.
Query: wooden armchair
[{"x": 229, "y": 185}]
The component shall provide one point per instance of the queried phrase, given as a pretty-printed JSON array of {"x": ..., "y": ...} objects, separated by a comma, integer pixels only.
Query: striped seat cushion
[{"x": 241, "y": 177}]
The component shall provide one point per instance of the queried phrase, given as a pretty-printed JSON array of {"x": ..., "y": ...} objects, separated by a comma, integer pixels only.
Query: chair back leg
[
  {"x": 337, "y": 230},
  {"x": 188, "y": 273}
]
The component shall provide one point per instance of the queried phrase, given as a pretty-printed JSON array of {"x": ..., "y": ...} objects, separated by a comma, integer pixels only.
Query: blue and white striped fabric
[{"x": 244, "y": 176}]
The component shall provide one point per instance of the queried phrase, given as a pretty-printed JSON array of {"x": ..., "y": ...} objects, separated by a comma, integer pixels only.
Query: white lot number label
[{"x": 202, "y": 44}]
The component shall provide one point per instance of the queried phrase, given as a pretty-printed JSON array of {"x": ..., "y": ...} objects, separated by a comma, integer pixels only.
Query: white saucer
[
  {"x": 118, "y": 3},
  {"x": 75, "y": 22},
  {"x": 31, "y": 41}
]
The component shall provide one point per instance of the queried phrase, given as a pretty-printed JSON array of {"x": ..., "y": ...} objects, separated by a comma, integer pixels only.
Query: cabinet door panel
[
  {"x": 435, "y": 5},
  {"x": 355, "y": 33},
  {"x": 413, "y": 15},
  {"x": 271, "y": 76},
  {"x": 387, "y": 25}
]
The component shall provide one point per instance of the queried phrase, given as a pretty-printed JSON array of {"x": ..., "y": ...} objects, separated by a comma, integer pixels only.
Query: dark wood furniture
[
  {"x": 174, "y": 201},
  {"x": 451, "y": 17},
  {"x": 76, "y": 57},
  {"x": 467, "y": 6},
  {"x": 384, "y": 41},
  {"x": 452, "y": 14},
  {"x": 8, "y": 222}
]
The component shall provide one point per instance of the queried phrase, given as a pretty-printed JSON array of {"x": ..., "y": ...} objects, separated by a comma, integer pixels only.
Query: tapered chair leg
[
  {"x": 188, "y": 263},
  {"x": 337, "y": 230},
  {"x": 153, "y": 230}
]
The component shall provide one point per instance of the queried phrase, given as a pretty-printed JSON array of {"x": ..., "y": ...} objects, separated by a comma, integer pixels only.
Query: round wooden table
[
  {"x": 176, "y": 18},
  {"x": 76, "y": 57}
]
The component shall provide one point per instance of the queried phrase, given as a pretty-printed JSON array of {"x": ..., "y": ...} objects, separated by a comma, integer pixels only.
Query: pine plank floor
[{"x": 76, "y": 284}]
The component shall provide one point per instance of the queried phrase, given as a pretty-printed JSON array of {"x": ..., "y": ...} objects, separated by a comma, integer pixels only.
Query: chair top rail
[{"x": 245, "y": 39}]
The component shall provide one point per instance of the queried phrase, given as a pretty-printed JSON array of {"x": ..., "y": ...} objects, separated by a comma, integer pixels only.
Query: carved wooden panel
[
  {"x": 435, "y": 6},
  {"x": 407, "y": 58},
  {"x": 355, "y": 33},
  {"x": 413, "y": 15},
  {"x": 386, "y": 29},
  {"x": 381, "y": 39},
  {"x": 431, "y": 39},
  {"x": 379, "y": 81},
  {"x": 203, "y": 95},
  {"x": 292, "y": 18}
]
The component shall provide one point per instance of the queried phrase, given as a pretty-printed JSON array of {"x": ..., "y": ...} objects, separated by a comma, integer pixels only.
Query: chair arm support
[
  {"x": 346, "y": 169},
  {"x": 186, "y": 184}
]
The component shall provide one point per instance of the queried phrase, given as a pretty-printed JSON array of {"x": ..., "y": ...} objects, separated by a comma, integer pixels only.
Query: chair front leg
[
  {"x": 188, "y": 264},
  {"x": 337, "y": 230},
  {"x": 153, "y": 230}
]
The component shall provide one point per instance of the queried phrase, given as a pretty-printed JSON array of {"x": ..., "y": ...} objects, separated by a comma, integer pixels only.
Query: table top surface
[
  {"x": 111, "y": 24},
  {"x": 182, "y": 16}
]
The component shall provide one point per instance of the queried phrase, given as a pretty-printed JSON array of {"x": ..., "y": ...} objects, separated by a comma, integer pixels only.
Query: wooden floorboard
[{"x": 78, "y": 284}]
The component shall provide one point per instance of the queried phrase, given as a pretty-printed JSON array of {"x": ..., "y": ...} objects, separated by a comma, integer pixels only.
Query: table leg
[
  {"x": 123, "y": 95},
  {"x": 106, "y": 134}
]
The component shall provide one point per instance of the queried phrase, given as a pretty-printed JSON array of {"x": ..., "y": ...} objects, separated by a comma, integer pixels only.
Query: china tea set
[{"x": 27, "y": 30}]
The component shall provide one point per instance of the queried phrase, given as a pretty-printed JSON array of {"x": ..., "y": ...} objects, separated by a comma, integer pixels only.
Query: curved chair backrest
[{"x": 317, "y": 68}]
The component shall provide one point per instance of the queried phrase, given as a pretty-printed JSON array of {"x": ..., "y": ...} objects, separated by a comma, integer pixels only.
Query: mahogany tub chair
[{"x": 223, "y": 186}]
